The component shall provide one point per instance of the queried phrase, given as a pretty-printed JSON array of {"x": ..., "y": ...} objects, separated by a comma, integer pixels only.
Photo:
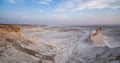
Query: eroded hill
[
  {"x": 14, "y": 47},
  {"x": 35, "y": 44}
]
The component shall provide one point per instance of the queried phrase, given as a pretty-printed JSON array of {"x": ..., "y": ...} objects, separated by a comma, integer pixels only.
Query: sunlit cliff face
[{"x": 9, "y": 31}]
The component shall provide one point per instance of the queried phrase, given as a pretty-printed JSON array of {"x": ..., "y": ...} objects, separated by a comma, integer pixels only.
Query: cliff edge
[{"x": 9, "y": 31}]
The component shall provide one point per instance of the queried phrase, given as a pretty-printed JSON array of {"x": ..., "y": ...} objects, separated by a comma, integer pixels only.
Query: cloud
[
  {"x": 91, "y": 15},
  {"x": 12, "y": 1},
  {"x": 77, "y": 5},
  {"x": 44, "y": 2}
]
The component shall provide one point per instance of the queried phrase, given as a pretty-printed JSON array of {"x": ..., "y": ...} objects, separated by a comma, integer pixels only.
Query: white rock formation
[{"x": 98, "y": 38}]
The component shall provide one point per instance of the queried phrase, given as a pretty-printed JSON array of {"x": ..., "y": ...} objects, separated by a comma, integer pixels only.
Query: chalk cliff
[
  {"x": 97, "y": 38},
  {"x": 9, "y": 31}
]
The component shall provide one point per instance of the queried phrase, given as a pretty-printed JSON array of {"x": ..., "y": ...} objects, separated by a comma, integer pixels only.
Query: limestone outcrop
[
  {"x": 97, "y": 38},
  {"x": 7, "y": 30}
]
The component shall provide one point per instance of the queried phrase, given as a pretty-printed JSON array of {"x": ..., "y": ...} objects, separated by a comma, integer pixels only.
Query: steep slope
[
  {"x": 9, "y": 31},
  {"x": 15, "y": 47},
  {"x": 98, "y": 39}
]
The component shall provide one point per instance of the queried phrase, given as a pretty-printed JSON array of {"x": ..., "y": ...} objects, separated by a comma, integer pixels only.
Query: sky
[{"x": 60, "y": 12}]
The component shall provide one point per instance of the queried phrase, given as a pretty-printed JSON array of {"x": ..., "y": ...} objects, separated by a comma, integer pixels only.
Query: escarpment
[
  {"x": 97, "y": 38},
  {"x": 9, "y": 31},
  {"x": 97, "y": 33},
  {"x": 14, "y": 44}
]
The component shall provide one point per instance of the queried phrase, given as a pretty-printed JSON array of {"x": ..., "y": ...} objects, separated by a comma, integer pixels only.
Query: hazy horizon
[{"x": 60, "y": 12}]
